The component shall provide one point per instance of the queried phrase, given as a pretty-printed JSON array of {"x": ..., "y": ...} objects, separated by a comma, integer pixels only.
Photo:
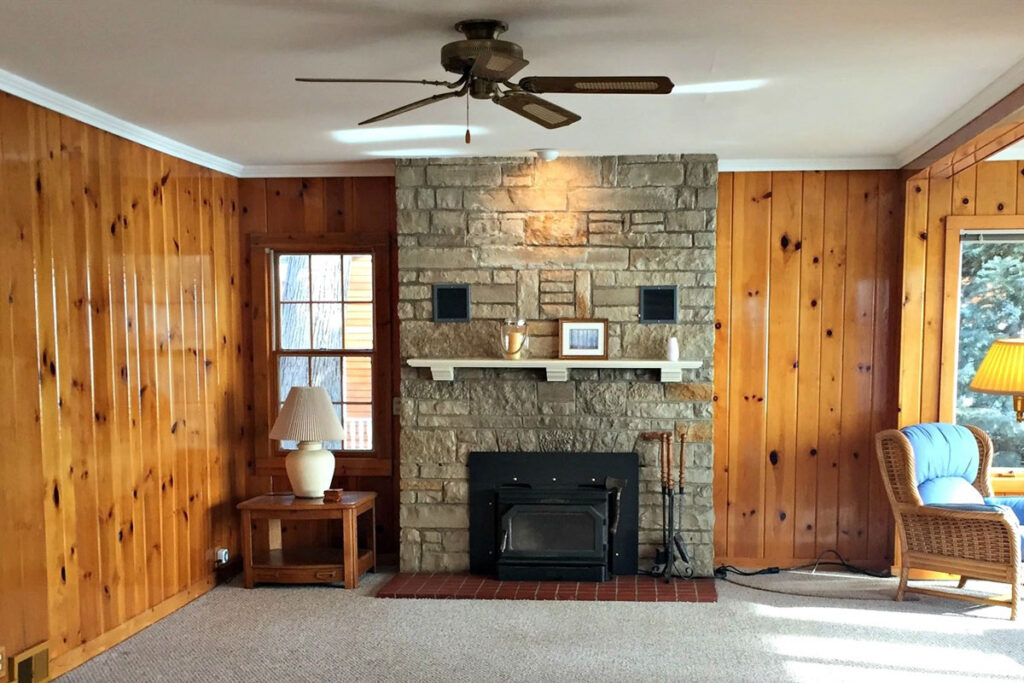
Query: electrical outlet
[{"x": 222, "y": 556}]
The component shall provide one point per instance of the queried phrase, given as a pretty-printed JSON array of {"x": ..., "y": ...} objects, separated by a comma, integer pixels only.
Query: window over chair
[{"x": 985, "y": 301}]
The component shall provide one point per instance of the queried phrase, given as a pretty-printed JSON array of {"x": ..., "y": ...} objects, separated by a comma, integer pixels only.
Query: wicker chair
[{"x": 958, "y": 528}]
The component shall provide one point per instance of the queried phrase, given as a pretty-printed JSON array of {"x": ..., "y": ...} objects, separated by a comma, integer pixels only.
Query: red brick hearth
[{"x": 619, "y": 588}]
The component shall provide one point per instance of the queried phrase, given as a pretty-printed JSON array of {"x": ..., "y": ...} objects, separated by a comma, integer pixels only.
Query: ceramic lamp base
[{"x": 310, "y": 469}]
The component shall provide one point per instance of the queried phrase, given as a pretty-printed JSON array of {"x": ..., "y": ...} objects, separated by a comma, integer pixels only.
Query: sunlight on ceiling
[
  {"x": 355, "y": 136},
  {"x": 719, "y": 87},
  {"x": 414, "y": 152}
]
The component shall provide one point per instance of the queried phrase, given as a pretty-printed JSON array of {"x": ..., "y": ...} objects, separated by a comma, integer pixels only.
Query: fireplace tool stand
[{"x": 673, "y": 546}]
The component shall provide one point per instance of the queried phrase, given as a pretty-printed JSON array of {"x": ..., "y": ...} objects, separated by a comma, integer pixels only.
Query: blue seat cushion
[
  {"x": 949, "y": 490},
  {"x": 1015, "y": 503},
  {"x": 943, "y": 450}
]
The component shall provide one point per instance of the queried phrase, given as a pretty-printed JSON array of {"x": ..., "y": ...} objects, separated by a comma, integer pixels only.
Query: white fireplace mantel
[{"x": 556, "y": 370}]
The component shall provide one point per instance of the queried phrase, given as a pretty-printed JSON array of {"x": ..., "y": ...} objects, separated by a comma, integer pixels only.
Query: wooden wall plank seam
[
  {"x": 856, "y": 443},
  {"x": 750, "y": 267},
  {"x": 809, "y": 359},
  {"x": 723, "y": 328},
  {"x": 784, "y": 245}
]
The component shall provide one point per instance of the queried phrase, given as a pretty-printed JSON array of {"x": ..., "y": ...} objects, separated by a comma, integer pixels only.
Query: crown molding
[
  {"x": 38, "y": 94},
  {"x": 62, "y": 104},
  {"x": 975, "y": 107},
  {"x": 876, "y": 163},
  {"x": 380, "y": 168}
]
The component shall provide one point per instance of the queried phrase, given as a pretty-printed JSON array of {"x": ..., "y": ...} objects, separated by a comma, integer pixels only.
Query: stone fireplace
[{"x": 575, "y": 237}]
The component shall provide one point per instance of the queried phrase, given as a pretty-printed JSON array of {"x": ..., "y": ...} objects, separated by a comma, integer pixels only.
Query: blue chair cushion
[
  {"x": 944, "y": 451},
  {"x": 1015, "y": 503},
  {"x": 949, "y": 490},
  {"x": 968, "y": 507}
]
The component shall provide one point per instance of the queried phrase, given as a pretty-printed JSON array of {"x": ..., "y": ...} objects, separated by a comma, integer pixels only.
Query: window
[
  {"x": 985, "y": 301},
  {"x": 324, "y": 336}
]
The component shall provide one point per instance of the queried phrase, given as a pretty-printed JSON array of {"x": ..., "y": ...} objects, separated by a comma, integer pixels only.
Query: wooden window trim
[
  {"x": 1004, "y": 480},
  {"x": 261, "y": 247}
]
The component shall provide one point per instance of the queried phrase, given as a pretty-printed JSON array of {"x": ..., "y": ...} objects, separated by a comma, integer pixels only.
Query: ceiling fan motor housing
[
  {"x": 458, "y": 57},
  {"x": 481, "y": 39}
]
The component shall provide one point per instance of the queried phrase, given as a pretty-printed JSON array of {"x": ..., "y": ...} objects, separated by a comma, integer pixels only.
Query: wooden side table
[{"x": 311, "y": 564}]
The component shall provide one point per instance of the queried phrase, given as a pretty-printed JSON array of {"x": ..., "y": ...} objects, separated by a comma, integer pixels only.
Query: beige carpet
[{"x": 329, "y": 634}]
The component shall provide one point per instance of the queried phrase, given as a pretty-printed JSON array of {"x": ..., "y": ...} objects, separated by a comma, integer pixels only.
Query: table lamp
[
  {"x": 308, "y": 417},
  {"x": 1002, "y": 372}
]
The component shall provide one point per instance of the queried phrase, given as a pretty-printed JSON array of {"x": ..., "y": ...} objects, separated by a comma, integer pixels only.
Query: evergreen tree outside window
[{"x": 991, "y": 307}]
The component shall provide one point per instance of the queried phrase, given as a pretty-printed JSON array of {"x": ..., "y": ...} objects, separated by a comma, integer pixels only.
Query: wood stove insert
[{"x": 553, "y": 516}]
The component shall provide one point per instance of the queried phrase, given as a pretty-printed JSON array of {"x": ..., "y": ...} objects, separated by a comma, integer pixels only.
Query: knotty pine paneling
[
  {"x": 297, "y": 206},
  {"x": 122, "y": 359},
  {"x": 805, "y": 363},
  {"x": 990, "y": 188}
]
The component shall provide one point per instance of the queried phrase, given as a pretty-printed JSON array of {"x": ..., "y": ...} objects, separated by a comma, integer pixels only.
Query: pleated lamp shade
[
  {"x": 307, "y": 415},
  {"x": 1002, "y": 370}
]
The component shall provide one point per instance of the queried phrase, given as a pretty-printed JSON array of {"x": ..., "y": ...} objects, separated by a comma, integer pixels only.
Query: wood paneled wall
[
  {"x": 805, "y": 363},
  {"x": 991, "y": 188},
  {"x": 121, "y": 364},
  {"x": 314, "y": 206}
]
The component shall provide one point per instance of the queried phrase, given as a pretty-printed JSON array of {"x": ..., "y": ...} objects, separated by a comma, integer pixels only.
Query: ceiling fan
[{"x": 485, "y": 65}]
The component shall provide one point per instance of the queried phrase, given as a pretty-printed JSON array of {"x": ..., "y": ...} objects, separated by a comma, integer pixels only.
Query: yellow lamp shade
[{"x": 1002, "y": 370}]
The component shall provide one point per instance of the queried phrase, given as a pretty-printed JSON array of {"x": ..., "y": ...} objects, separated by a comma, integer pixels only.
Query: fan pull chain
[{"x": 468, "y": 138}]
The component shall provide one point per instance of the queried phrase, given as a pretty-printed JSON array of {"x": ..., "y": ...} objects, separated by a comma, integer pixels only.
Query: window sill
[{"x": 1008, "y": 483}]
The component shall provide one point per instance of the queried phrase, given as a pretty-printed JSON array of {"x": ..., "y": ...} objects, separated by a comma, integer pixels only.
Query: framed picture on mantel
[{"x": 583, "y": 338}]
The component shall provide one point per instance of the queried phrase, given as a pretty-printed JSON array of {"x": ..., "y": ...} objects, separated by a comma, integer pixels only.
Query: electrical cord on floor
[{"x": 722, "y": 572}]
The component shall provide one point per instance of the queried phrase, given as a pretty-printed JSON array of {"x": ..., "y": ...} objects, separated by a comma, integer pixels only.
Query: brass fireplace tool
[{"x": 672, "y": 540}]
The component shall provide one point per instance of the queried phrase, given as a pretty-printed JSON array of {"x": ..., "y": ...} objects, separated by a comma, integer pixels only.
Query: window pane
[
  {"x": 294, "y": 326},
  {"x": 293, "y": 277},
  {"x": 358, "y": 326},
  {"x": 292, "y": 371},
  {"x": 358, "y": 380},
  {"x": 327, "y": 326},
  {"x": 358, "y": 427},
  {"x": 359, "y": 277},
  {"x": 326, "y": 277},
  {"x": 327, "y": 374},
  {"x": 991, "y": 307}
]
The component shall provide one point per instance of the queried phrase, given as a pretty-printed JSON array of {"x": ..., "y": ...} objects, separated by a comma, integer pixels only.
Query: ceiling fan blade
[
  {"x": 369, "y": 80},
  {"x": 494, "y": 66},
  {"x": 414, "y": 105},
  {"x": 538, "y": 110},
  {"x": 621, "y": 85}
]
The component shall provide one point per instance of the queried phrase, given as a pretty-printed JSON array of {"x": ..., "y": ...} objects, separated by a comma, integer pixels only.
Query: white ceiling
[{"x": 854, "y": 82}]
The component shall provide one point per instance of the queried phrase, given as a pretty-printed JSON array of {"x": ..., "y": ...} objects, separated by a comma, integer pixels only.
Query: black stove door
[{"x": 554, "y": 534}]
